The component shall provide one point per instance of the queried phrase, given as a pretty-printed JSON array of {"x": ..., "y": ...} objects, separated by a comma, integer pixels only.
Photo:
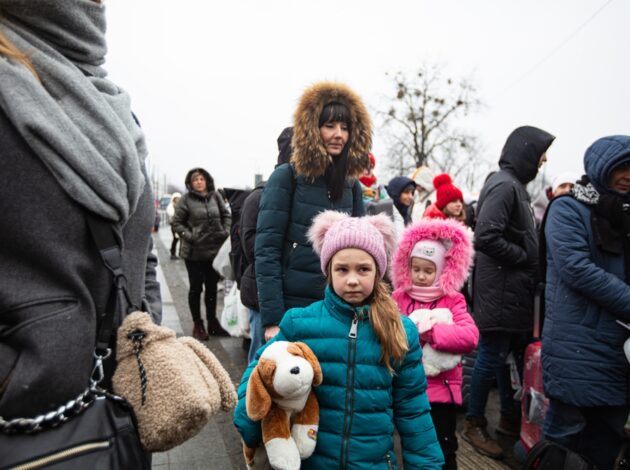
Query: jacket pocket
[
  {"x": 290, "y": 250},
  {"x": 27, "y": 314},
  {"x": 50, "y": 338}
]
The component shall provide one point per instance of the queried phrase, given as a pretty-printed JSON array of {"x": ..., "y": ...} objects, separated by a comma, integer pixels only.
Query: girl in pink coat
[{"x": 429, "y": 268}]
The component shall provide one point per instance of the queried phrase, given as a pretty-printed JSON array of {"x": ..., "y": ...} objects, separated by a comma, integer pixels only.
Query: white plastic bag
[
  {"x": 221, "y": 262},
  {"x": 235, "y": 316}
]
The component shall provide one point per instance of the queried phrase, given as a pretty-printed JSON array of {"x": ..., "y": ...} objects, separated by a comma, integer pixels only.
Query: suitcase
[{"x": 534, "y": 403}]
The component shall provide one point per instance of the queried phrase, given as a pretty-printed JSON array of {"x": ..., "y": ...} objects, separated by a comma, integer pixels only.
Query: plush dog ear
[
  {"x": 258, "y": 399},
  {"x": 309, "y": 355}
]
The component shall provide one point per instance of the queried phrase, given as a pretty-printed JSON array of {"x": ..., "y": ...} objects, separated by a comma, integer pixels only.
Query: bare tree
[{"x": 420, "y": 124}]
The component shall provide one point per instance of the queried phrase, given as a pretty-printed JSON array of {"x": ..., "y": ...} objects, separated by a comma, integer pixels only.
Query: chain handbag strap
[{"x": 104, "y": 235}]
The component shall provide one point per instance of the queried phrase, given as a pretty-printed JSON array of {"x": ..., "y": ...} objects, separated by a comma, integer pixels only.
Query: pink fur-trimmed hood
[{"x": 458, "y": 258}]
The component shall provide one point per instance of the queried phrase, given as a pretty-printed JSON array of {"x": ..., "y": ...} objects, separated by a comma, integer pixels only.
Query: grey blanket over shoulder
[{"x": 89, "y": 141}]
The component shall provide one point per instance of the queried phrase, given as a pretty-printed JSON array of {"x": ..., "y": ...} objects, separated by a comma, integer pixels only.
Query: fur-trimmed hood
[
  {"x": 309, "y": 155},
  {"x": 458, "y": 258}
]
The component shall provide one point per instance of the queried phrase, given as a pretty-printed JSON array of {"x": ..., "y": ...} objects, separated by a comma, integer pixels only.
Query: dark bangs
[{"x": 335, "y": 112}]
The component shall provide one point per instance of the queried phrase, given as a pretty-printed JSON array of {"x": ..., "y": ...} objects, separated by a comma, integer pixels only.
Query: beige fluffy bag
[{"x": 174, "y": 385}]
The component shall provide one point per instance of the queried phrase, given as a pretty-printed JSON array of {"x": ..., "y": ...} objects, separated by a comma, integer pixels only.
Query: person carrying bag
[{"x": 95, "y": 428}]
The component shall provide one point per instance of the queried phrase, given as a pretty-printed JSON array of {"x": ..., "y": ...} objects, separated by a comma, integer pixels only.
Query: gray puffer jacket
[{"x": 203, "y": 223}]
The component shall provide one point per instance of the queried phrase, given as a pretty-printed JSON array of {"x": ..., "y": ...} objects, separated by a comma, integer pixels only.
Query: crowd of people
[
  {"x": 490, "y": 307},
  {"x": 375, "y": 279}
]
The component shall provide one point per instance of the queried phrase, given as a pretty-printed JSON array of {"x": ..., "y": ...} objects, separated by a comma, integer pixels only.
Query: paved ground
[{"x": 218, "y": 445}]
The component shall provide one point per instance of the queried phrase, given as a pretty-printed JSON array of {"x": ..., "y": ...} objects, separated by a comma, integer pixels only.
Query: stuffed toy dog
[
  {"x": 436, "y": 362},
  {"x": 279, "y": 393}
]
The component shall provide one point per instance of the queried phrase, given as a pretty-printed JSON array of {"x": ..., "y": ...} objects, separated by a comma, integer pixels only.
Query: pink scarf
[{"x": 425, "y": 294}]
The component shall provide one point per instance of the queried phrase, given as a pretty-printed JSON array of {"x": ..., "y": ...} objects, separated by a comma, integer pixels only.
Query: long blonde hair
[
  {"x": 8, "y": 50},
  {"x": 387, "y": 324}
]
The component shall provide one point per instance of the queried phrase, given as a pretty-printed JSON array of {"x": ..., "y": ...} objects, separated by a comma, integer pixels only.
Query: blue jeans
[
  {"x": 256, "y": 331},
  {"x": 493, "y": 349},
  {"x": 594, "y": 432}
]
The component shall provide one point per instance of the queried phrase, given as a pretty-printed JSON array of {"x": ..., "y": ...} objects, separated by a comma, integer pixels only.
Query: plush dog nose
[{"x": 295, "y": 370}]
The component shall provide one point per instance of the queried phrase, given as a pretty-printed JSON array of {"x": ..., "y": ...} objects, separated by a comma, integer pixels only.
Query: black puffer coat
[
  {"x": 506, "y": 240},
  {"x": 203, "y": 223},
  {"x": 249, "y": 218}
]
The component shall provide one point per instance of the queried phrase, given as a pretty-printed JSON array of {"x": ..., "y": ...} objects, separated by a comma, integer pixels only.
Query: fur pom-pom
[
  {"x": 320, "y": 226},
  {"x": 385, "y": 226},
  {"x": 441, "y": 180}
]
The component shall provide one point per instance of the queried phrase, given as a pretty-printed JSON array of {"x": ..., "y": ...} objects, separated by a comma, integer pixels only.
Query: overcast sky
[{"x": 214, "y": 82}]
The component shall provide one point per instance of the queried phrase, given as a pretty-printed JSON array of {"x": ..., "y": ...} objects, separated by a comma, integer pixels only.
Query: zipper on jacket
[
  {"x": 62, "y": 455},
  {"x": 450, "y": 392},
  {"x": 389, "y": 461},
  {"x": 349, "y": 401}
]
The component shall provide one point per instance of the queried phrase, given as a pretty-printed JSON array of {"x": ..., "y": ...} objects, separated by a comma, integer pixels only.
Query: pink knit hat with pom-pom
[{"x": 333, "y": 231}]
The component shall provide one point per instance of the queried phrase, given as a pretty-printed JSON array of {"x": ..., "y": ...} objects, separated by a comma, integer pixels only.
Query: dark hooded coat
[
  {"x": 288, "y": 272},
  {"x": 506, "y": 240},
  {"x": 394, "y": 189},
  {"x": 201, "y": 221}
]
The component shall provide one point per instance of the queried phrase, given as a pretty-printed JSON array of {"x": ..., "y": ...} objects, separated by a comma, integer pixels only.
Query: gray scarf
[{"x": 77, "y": 122}]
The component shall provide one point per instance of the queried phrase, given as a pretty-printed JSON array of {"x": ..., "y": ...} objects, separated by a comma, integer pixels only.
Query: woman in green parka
[
  {"x": 369, "y": 354},
  {"x": 332, "y": 135}
]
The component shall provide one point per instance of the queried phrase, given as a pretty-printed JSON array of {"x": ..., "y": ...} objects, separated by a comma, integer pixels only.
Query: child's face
[
  {"x": 422, "y": 272},
  {"x": 406, "y": 197},
  {"x": 353, "y": 272},
  {"x": 454, "y": 208}
]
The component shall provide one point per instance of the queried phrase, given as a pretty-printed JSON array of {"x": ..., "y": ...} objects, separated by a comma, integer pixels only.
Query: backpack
[{"x": 548, "y": 455}]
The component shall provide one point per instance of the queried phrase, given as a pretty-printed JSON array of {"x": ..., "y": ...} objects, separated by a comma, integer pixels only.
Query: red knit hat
[{"x": 446, "y": 191}]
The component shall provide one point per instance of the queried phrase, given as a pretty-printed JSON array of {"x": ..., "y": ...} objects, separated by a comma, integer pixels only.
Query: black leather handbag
[{"x": 95, "y": 430}]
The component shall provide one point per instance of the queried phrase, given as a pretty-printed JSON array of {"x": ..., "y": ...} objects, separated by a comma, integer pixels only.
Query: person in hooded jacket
[
  {"x": 585, "y": 372},
  {"x": 429, "y": 269},
  {"x": 401, "y": 189},
  {"x": 249, "y": 219},
  {"x": 202, "y": 222},
  {"x": 62, "y": 159},
  {"x": 332, "y": 135},
  {"x": 506, "y": 244}
]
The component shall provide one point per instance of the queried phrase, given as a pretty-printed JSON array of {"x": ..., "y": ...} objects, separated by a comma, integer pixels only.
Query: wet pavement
[{"x": 218, "y": 445}]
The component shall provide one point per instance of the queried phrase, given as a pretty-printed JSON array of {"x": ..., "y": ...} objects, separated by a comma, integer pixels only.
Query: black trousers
[
  {"x": 202, "y": 277},
  {"x": 174, "y": 242},
  {"x": 444, "y": 417}
]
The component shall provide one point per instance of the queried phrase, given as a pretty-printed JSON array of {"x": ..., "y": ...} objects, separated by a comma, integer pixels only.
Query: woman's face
[
  {"x": 334, "y": 136},
  {"x": 620, "y": 179},
  {"x": 198, "y": 183},
  {"x": 353, "y": 273}
]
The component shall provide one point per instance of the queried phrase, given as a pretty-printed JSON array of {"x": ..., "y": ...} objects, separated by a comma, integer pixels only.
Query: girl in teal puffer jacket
[{"x": 370, "y": 356}]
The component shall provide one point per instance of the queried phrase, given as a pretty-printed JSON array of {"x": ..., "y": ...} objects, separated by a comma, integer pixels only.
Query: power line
[{"x": 559, "y": 46}]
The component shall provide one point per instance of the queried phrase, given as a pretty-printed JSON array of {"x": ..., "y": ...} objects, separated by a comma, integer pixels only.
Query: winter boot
[
  {"x": 476, "y": 435},
  {"x": 199, "y": 332},
  {"x": 510, "y": 425},
  {"x": 215, "y": 328}
]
